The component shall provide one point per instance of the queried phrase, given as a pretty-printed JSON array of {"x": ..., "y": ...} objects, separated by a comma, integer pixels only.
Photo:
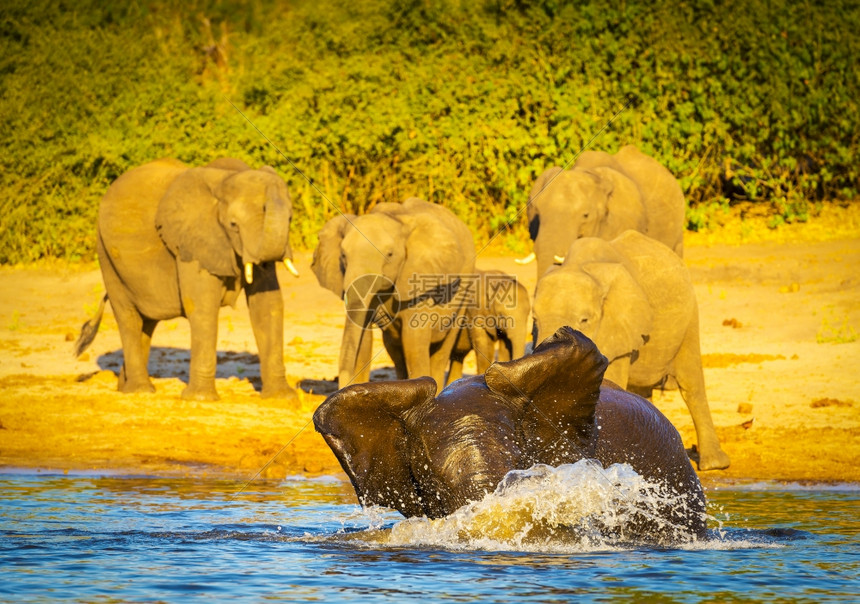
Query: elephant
[
  {"x": 498, "y": 314},
  {"x": 603, "y": 195},
  {"x": 633, "y": 297},
  {"x": 407, "y": 448},
  {"x": 175, "y": 240},
  {"x": 397, "y": 267}
]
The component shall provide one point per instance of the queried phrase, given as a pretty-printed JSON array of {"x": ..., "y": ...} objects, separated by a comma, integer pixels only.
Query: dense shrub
[{"x": 462, "y": 103}]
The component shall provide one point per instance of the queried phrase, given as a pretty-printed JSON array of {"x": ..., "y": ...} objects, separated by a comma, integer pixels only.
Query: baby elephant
[
  {"x": 633, "y": 296},
  {"x": 425, "y": 455},
  {"x": 497, "y": 313}
]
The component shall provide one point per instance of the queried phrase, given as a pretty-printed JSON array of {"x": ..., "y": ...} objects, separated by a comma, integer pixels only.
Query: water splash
[{"x": 569, "y": 508}]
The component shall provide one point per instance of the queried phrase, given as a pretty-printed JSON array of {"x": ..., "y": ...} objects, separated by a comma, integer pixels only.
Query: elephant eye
[{"x": 585, "y": 215}]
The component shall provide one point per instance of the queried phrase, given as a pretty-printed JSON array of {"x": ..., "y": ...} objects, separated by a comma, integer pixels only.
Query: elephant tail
[{"x": 90, "y": 329}]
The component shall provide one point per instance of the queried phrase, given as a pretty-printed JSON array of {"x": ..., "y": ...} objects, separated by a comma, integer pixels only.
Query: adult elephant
[
  {"x": 174, "y": 241},
  {"x": 397, "y": 267},
  {"x": 404, "y": 447},
  {"x": 633, "y": 296},
  {"x": 603, "y": 195},
  {"x": 497, "y": 316}
]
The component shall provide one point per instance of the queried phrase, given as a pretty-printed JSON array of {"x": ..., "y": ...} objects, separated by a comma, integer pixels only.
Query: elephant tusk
[
  {"x": 291, "y": 267},
  {"x": 526, "y": 260},
  {"x": 249, "y": 273},
  {"x": 559, "y": 259}
]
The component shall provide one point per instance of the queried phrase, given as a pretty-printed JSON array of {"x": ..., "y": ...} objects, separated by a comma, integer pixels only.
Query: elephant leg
[
  {"x": 691, "y": 383},
  {"x": 485, "y": 349},
  {"x": 201, "y": 293},
  {"x": 416, "y": 350},
  {"x": 394, "y": 348},
  {"x": 455, "y": 369},
  {"x": 135, "y": 333},
  {"x": 462, "y": 346},
  {"x": 266, "y": 309},
  {"x": 440, "y": 355},
  {"x": 506, "y": 350},
  {"x": 146, "y": 337}
]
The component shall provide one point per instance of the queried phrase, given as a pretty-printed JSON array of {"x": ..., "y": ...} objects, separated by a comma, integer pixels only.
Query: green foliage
[
  {"x": 705, "y": 215},
  {"x": 461, "y": 103},
  {"x": 835, "y": 329}
]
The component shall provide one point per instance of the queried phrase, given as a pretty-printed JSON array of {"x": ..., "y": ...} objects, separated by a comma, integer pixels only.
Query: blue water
[{"x": 119, "y": 538}]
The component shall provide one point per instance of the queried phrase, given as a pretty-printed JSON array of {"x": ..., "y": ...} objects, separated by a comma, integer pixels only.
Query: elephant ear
[
  {"x": 627, "y": 314},
  {"x": 187, "y": 221},
  {"x": 536, "y": 192},
  {"x": 435, "y": 247},
  {"x": 326, "y": 262},
  {"x": 364, "y": 426},
  {"x": 555, "y": 391}
]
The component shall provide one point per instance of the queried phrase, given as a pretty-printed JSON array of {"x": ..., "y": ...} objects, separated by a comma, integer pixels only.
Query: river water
[{"x": 102, "y": 537}]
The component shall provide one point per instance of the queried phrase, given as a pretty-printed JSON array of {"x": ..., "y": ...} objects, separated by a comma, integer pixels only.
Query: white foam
[{"x": 570, "y": 508}]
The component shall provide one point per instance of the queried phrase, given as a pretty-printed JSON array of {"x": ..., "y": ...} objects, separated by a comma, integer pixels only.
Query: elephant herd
[{"x": 614, "y": 315}]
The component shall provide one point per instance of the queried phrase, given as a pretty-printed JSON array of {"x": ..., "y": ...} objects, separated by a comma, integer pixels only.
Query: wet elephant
[{"x": 405, "y": 447}]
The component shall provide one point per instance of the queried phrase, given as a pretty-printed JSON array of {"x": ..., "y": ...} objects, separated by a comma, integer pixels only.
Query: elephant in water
[
  {"x": 633, "y": 296},
  {"x": 404, "y": 447},
  {"x": 397, "y": 267},
  {"x": 180, "y": 241},
  {"x": 498, "y": 315},
  {"x": 603, "y": 195}
]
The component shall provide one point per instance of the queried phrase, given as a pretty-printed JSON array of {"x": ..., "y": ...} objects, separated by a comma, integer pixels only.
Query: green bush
[{"x": 462, "y": 103}]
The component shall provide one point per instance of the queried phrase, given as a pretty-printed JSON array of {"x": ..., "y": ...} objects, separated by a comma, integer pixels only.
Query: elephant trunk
[
  {"x": 274, "y": 244},
  {"x": 273, "y": 240},
  {"x": 549, "y": 246},
  {"x": 355, "y": 339}
]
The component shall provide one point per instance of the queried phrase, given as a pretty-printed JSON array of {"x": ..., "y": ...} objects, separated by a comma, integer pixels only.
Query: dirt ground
[{"x": 780, "y": 320}]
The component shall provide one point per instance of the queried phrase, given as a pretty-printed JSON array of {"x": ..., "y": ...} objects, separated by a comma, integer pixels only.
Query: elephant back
[
  {"x": 436, "y": 233},
  {"x": 132, "y": 199},
  {"x": 651, "y": 263},
  {"x": 128, "y": 240},
  {"x": 231, "y": 164},
  {"x": 632, "y": 430},
  {"x": 127, "y": 210},
  {"x": 662, "y": 196}
]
